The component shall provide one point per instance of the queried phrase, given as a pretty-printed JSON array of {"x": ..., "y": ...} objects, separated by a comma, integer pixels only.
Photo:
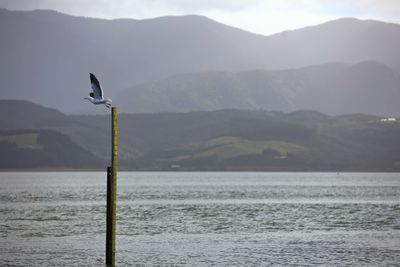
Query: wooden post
[
  {"x": 112, "y": 192},
  {"x": 109, "y": 218}
]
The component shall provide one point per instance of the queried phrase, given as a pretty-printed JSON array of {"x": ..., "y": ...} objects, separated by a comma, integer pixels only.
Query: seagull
[{"x": 96, "y": 97}]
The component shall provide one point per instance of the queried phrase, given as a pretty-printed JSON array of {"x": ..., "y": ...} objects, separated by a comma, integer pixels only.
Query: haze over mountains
[
  {"x": 194, "y": 63},
  {"x": 333, "y": 88}
]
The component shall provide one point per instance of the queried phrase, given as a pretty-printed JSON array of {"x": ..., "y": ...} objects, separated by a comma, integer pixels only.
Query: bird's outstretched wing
[{"x": 97, "y": 92}]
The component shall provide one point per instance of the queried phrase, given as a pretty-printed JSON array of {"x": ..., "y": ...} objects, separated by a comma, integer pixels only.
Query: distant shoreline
[{"x": 192, "y": 171}]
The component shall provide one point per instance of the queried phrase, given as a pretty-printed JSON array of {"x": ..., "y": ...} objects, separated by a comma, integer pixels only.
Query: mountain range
[
  {"x": 191, "y": 62},
  {"x": 36, "y": 137},
  {"x": 333, "y": 88}
]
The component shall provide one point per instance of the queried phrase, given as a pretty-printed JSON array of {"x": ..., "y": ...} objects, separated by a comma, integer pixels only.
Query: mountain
[
  {"x": 46, "y": 55},
  {"x": 33, "y": 136},
  {"x": 20, "y": 114},
  {"x": 217, "y": 140},
  {"x": 346, "y": 40},
  {"x": 335, "y": 88},
  {"x": 44, "y": 149}
]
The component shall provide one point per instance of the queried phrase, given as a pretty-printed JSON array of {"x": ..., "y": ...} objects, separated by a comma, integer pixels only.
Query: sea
[{"x": 202, "y": 219}]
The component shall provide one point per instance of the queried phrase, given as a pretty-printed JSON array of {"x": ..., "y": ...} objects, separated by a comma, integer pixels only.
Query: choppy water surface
[{"x": 202, "y": 219}]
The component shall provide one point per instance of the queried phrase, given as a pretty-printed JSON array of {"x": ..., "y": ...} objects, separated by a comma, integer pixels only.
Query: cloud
[
  {"x": 207, "y": 5},
  {"x": 260, "y": 16}
]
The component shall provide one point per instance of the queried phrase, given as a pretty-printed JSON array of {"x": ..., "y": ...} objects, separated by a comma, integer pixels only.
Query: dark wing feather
[{"x": 97, "y": 92}]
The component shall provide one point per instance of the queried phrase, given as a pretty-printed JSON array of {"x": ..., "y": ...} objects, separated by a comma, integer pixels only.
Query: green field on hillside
[
  {"x": 22, "y": 140},
  {"x": 229, "y": 147}
]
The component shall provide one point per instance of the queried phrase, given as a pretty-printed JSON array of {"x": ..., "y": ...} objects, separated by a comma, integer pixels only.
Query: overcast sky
[{"x": 259, "y": 16}]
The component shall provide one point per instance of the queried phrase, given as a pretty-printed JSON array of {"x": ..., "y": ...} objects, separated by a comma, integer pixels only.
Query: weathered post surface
[{"x": 112, "y": 192}]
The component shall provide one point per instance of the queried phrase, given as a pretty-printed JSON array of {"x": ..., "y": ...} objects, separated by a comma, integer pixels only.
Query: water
[{"x": 202, "y": 219}]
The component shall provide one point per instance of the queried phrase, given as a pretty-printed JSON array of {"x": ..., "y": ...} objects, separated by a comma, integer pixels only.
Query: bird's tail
[{"x": 108, "y": 103}]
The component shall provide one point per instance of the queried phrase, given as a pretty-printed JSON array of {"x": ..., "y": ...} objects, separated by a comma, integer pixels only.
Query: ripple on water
[{"x": 203, "y": 219}]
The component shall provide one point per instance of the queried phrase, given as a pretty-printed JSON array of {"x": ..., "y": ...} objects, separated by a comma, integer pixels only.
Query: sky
[{"x": 257, "y": 16}]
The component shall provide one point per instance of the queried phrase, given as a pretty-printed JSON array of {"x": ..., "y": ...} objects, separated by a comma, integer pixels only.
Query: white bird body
[
  {"x": 96, "y": 97},
  {"x": 105, "y": 101}
]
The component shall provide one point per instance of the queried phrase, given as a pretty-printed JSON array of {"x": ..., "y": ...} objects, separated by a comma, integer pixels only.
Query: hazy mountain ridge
[
  {"x": 219, "y": 140},
  {"x": 346, "y": 40},
  {"x": 335, "y": 88},
  {"x": 47, "y": 55}
]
